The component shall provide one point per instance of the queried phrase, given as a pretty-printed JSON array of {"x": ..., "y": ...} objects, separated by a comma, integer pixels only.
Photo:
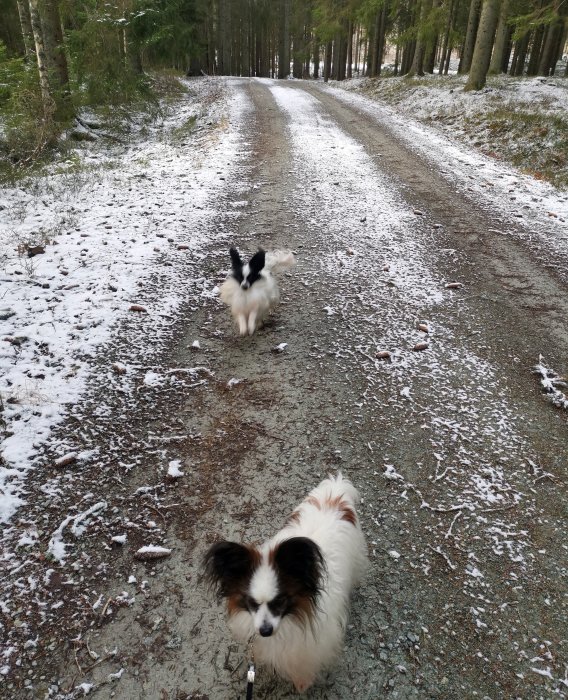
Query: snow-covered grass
[
  {"x": 518, "y": 120},
  {"x": 103, "y": 221}
]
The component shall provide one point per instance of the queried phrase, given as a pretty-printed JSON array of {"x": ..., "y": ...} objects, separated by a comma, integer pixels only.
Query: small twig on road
[
  {"x": 195, "y": 627},
  {"x": 101, "y": 660},
  {"x": 545, "y": 476},
  {"x": 539, "y": 473},
  {"x": 77, "y": 663},
  {"x": 497, "y": 510},
  {"x": 434, "y": 509},
  {"x": 449, "y": 532},
  {"x": 169, "y": 438},
  {"x": 437, "y": 477},
  {"x": 437, "y": 509},
  {"x": 147, "y": 505},
  {"x": 103, "y": 611},
  {"x": 92, "y": 654},
  {"x": 373, "y": 359},
  {"x": 444, "y": 556}
]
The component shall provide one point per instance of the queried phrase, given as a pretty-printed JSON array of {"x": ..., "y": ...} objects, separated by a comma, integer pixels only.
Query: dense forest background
[{"x": 59, "y": 55}]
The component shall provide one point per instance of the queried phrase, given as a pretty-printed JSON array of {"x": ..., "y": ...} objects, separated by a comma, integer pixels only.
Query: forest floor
[{"x": 122, "y": 369}]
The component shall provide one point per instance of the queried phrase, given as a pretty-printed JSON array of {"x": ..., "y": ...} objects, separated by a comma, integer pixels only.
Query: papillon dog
[
  {"x": 251, "y": 289},
  {"x": 289, "y": 597}
]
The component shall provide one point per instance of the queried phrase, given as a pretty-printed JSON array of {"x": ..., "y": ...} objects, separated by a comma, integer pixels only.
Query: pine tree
[
  {"x": 470, "y": 36},
  {"x": 501, "y": 35},
  {"x": 483, "y": 45}
]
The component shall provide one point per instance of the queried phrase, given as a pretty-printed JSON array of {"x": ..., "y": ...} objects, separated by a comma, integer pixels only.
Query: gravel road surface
[{"x": 459, "y": 456}]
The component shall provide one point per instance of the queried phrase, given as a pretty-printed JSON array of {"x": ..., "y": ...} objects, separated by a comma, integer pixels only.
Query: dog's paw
[{"x": 302, "y": 684}]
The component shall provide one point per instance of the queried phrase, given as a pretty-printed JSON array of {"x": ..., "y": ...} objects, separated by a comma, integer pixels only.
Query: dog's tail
[
  {"x": 279, "y": 260},
  {"x": 341, "y": 485}
]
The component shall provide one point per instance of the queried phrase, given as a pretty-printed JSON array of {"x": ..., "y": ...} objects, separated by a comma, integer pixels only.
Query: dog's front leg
[
  {"x": 242, "y": 321},
  {"x": 252, "y": 322}
]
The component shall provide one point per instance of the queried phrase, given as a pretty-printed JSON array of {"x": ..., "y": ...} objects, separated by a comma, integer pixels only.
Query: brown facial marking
[{"x": 235, "y": 604}]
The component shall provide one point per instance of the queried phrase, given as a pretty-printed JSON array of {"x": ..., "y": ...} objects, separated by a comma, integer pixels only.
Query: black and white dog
[{"x": 251, "y": 290}]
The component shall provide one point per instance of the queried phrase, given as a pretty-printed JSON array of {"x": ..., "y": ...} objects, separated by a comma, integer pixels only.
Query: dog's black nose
[{"x": 266, "y": 629}]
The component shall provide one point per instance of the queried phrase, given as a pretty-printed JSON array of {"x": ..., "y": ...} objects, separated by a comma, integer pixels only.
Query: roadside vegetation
[{"x": 522, "y": 121}]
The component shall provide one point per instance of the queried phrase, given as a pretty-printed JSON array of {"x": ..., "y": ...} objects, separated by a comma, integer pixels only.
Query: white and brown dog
[{"x": 290, "y": 596}]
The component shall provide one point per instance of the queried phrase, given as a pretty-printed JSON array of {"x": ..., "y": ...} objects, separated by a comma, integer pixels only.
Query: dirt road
[{"x": 460, "y": 459}]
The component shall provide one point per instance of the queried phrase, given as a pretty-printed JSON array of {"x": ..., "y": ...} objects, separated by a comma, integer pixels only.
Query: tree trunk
[
  {"x": 430, "y": 58},
  {"x": 27, "y": 31},
  {"x": 237, "y": 47},
  {"x": 520, "y": 55},
  {"x": 561, "y": 43},
  {"x": 53, "y": 21},
  {"x": 297, "y": 56},
  {"x": 307, "y": 46},
  {"x": 495, "y": 67},
  {"x": 507, "y": 52},
  {"x": 349, "y": 72},
  {"x": 342, "y": 55},
  {"x": 483, "y": 45},
  {"x": 381, "y": 39},
  {"x": 46, "y": 98},
  {"x": 417, "y": 67},
  {"x": 133, "y": 58},
  {"x": 357, "y": 49},
  {"x": 224, "y": 37},
  {"x": 316, "y": 50},
  {"x": 448, "y": 57},
  {"x": 396, "y": 59},
  {"x": 548, "y": 58},
  {"x": 446, "y": 40},
  {"x": 327, "y": 61},
  {"x": 407, "y": 57},
  {"x": 284, "y": 40},
  {"x": 374, "y": 60},
  {"x": 470, "y": 36},
  {"x": 210, "y": 46},
  {"x": 273, "y": 57},
  {"x": 535, "y": 52},
  {"x": 335, "y": 57}
]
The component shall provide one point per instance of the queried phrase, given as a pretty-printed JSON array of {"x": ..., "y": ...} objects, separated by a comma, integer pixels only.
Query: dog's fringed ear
[
  {"x": 228, "y": 565},
  {"x": 300, "y": 562},
  {"x": 256, "y": 263},
  {"x": 235, "y": 259}
]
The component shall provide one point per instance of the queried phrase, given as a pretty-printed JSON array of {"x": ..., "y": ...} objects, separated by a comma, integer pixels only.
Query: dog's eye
[
  {"x": 251, "y": 603},
  {"x": 278, "y": 605}
]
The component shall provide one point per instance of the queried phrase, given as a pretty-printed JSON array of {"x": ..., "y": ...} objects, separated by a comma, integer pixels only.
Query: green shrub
[{"x": 26, "y": 128}]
